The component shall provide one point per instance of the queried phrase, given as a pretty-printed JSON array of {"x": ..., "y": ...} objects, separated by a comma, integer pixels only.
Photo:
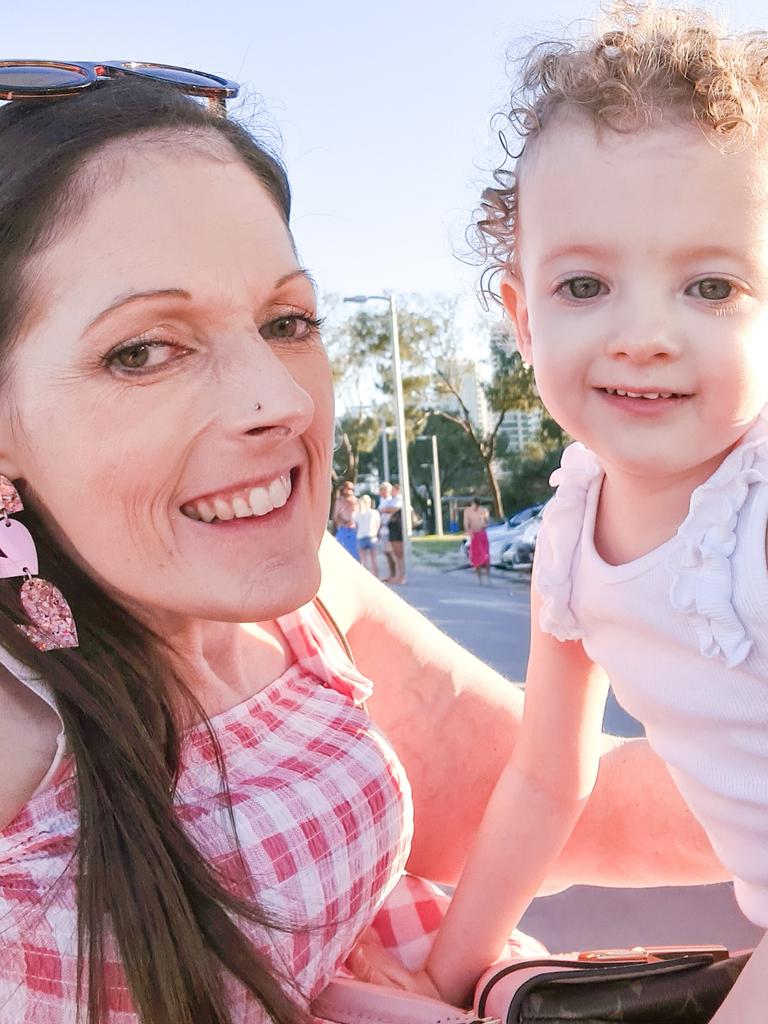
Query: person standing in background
[
  {"x": 345, "y": 518},
  {"x": 475, "y": 522},
  {"x": 368, "y": 524},
  {"x": 387, "y": 504}
]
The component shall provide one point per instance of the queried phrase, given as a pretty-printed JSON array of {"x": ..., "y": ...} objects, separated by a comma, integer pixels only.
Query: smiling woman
[{"x": 198, "y": 817}]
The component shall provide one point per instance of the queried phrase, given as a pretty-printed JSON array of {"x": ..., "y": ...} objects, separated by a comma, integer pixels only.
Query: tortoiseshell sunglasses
[{"x": 43, "y": 79}]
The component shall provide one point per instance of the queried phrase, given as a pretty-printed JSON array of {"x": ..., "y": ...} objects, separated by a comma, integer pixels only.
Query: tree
[
  {"x": 460, "y": 470},
  {"x": 356, "y": 433},
  {"x": 433, "y": 370}
]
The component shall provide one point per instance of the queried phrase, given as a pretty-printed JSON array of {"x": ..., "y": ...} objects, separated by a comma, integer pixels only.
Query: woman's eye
[
  {"x": 580, "y": 287},
  {"x": 294, "y": 327},
  {"x": 714, "y": 289},
  {"x": 140, "y": 356}
]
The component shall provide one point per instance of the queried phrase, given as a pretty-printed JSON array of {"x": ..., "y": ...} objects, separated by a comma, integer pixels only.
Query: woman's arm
[{"x": 454, "y": 722}]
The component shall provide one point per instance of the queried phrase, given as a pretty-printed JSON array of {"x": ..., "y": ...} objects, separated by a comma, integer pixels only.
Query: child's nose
[{"x": 645, "y": 335}]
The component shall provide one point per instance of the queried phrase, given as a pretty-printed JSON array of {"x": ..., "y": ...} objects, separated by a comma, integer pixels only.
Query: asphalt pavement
[{"x": 493, "y": 622}]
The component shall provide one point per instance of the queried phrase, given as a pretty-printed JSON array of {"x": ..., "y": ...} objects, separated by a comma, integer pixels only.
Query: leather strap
[{"x": 335, "y": 628}]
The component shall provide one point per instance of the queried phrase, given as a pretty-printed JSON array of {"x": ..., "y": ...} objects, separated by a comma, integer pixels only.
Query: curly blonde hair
[{"x": 643, "y": 60}]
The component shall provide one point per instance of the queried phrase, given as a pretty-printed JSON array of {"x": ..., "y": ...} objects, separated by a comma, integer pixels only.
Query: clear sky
[{"x": 381, "y": 110}]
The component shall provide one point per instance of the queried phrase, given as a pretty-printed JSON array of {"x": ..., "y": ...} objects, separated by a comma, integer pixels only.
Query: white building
[
  {"x": 465, "y": 375},
  {"x": 520, "y": 428}
]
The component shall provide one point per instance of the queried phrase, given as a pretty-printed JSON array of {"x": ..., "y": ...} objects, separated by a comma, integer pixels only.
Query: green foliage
[
  {"x": 355, "y": 435},
  {"x": 512, "y": 385},
  {"x": 433, "y": 368},
  {"x": 461, "y": 472},
  {"x": 526, "y": 481}
]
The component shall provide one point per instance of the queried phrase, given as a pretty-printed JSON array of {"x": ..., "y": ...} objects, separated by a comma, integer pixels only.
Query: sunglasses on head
[{"x": 46, "y": 79}]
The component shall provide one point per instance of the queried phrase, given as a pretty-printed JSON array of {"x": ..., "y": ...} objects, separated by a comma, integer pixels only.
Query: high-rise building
[
  {"x": 465, "y": 378},
  {"x": 520, "y": 428}
]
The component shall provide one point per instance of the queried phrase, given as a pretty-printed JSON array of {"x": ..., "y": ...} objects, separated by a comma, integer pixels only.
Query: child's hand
[{"x": 370, "y": 962}]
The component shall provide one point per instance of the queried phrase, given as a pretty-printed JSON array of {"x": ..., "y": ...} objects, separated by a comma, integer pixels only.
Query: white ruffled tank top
[{"x": 683, "y": 634}]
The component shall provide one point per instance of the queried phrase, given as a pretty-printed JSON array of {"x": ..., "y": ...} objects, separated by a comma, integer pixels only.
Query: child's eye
[
  {"x": 580, "y": 288},
  {"x": 714, "y": 289}
]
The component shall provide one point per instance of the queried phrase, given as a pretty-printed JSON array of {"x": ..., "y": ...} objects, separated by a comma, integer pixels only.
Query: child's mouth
[{"x": 649, "y": 395}]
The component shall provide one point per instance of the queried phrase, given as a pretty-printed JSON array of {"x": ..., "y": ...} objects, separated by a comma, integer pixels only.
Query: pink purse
[{"x": 347, "y": 1001}]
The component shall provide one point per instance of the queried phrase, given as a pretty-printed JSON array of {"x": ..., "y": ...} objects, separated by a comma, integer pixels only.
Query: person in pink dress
[
  {"x": 475, "y": 523},
  {"x": 204, "y": 800}
]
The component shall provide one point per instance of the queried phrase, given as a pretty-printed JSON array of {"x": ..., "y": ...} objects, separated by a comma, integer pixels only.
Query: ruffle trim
[
  {"x": 559, "y": 538},
  {"x": 702, "y": 585}
]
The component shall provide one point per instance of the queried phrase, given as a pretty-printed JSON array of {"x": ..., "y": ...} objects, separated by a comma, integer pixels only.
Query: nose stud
[{"x": 257, "y": 407}]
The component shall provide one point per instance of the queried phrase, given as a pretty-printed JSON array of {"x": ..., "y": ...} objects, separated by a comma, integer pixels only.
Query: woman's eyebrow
[
  {"x": 178, "y": 293},
  {"x": 129, "y": 297},
  {"x": 299, "y": 272}
]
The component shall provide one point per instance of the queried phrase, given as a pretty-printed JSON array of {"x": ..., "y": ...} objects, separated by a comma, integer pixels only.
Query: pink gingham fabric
[{"x": 322, "y": 811}]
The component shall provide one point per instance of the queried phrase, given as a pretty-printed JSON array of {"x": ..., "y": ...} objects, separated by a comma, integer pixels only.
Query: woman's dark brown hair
[{"x": 138, "y": 875}]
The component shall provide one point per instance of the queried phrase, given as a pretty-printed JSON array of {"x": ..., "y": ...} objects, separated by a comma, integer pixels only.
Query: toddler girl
[{"x": 632, "y": 237}]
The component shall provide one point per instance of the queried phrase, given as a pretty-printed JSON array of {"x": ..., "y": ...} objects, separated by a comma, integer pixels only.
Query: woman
[
  {"x": 345, "y": 512},
  {"x": 198, "y": 818},
  {"x": 368, "y": 526}
]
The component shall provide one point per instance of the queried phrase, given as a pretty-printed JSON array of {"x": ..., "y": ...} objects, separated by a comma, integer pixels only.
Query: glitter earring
[{"x": 53, "y": 624}]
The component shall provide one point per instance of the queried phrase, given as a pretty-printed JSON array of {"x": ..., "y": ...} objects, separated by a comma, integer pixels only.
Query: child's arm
[{"x": 535, "y": 805}]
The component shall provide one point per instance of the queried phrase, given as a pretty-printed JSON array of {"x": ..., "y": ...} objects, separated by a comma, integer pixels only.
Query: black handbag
[{"x": 665, "y": 985}]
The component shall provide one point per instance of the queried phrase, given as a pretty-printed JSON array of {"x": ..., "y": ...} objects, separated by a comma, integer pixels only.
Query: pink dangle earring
[{"x": 53, "y": 624}]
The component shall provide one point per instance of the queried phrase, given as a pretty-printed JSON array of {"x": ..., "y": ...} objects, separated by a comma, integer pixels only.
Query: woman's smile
[{"x": 243, "y": 501}]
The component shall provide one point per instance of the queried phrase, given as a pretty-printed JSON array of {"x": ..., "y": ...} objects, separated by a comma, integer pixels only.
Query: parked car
[
  {"x": 500, "y": 535},
  {"x": 519, "y": 552}
]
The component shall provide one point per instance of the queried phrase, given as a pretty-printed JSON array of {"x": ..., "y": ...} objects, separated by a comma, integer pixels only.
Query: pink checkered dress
[{"x": 324, "y": 818}]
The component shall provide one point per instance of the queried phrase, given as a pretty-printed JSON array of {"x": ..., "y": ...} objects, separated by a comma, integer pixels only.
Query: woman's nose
[{"x": 261, "y": 397}]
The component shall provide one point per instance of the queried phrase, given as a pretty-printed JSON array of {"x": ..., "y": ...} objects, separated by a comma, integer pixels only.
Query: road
[{"x": 493, "y": 621}]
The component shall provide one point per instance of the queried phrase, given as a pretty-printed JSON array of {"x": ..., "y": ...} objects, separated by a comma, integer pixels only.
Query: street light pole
[
  {"x": 384, "y": 449},
  {"x": 402, "y": 450},
  {"x": 437, "y": 497}
]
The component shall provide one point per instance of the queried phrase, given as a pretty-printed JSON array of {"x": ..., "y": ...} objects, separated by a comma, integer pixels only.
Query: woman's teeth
[{"x": 255, "y": 501}]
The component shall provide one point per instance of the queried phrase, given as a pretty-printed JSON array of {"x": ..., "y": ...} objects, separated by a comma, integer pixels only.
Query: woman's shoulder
[{"x": 29, "y": 741}]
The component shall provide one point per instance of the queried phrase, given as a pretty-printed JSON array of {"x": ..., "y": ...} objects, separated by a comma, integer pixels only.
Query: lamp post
[
  {"x": 437, "y": 497},
  {"x": 402, "y": 451},
  {"x": 384, "y": 449}
]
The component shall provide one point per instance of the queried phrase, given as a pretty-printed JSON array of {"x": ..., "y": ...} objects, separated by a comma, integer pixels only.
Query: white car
[{"x": 519, "y": 551}]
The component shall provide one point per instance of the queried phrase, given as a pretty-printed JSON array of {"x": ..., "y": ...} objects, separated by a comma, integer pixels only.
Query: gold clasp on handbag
[{"x": 650, "y": 954}]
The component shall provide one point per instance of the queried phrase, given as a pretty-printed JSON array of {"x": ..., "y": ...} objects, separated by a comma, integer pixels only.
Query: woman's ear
[{"x": 513, "y": 297}]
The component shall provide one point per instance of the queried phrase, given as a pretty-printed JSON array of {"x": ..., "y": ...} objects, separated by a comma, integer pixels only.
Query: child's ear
[{"x": 513, "y": 297}]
